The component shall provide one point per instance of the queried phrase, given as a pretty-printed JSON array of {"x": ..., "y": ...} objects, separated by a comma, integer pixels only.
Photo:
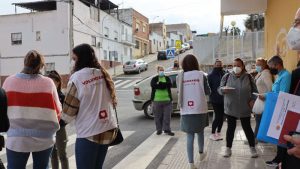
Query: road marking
[
  {"x": 130, "y": 84},
  {"x": 117, "y": 81},
  {"x": 122, "y": 83},
  {"x": 72, "y": 159},
  {"x": 72, "y": 140},
  {"x": 142, "y": 156}
]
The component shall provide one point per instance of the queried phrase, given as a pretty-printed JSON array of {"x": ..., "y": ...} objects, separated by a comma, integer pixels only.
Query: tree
[
  {"x": 226, "y": 30},
  {"x": 255, "y": 22},
  {"x": 235, "y": 30}
]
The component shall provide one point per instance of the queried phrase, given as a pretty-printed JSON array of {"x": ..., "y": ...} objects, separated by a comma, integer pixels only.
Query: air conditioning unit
[{"x": 99, "y": 45}]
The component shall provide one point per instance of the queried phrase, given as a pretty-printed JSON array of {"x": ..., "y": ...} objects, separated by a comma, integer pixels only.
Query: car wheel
[{"x": 148, "y": 111}]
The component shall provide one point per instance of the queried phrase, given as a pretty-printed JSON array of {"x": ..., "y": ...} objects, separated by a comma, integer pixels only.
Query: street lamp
[{"x": 233, "y": 23}]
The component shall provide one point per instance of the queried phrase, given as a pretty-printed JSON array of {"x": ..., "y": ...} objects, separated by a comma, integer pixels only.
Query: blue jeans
[
  {"x": 18, "y": 160},
  {"x": 190, "y": 144},
  {"x": 89, "y": 155}
]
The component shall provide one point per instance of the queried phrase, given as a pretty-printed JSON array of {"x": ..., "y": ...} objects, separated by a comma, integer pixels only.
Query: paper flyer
[
  {"x": 285, "y": 102},
  {"x": 292, "y": 123}
]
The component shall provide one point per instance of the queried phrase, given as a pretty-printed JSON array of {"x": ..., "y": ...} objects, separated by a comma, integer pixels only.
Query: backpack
[
  {"x": 4, "y": 122},
  {"x": 249, "y": 76}
]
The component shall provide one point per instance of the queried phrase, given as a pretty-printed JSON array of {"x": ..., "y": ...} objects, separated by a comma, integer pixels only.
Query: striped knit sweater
[{"x": 33, "y": 111}]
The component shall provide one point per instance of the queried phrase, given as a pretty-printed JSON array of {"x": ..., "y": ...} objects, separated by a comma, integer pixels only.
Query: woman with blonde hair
[
  {"x": 33, "y": 112},
  {"x": 89, "y": 98}
]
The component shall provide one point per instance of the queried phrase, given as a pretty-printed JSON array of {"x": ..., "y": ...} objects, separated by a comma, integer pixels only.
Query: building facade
[
  {"x": 184, "y": 28},
  {"x": 160, "y": 29},
  {"x": 140, "y": 28},
  {"x": 50, "y": 29},
  {"x": 156, "y": 42},
  {"x": 172, "y": 37}
]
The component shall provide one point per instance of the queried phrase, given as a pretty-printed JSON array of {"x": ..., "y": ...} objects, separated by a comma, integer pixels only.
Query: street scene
[{"x": 118, "y": 84}]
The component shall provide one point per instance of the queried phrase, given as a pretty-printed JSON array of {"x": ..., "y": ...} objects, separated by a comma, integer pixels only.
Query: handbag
[
  {"x": 111, "y": 137},
  {"x": 258, "y": 106},
  {"x": 118, "y": 137},
  {"x": 4, "y": 121}
]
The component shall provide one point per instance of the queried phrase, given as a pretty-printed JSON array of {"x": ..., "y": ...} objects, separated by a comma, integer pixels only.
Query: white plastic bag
[{"x": 259, "y": 106}]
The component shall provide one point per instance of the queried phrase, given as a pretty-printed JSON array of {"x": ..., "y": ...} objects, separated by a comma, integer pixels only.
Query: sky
[{"x": 202, "y": 15}]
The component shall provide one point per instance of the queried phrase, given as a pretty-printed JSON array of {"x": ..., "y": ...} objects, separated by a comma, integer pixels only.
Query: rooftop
[{"x": 38, "y": 5}]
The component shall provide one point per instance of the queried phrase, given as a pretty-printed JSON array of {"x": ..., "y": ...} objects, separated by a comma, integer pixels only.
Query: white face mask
[
  {"x": 293, "y": 38},
  {"x": 237, "y": 70}
]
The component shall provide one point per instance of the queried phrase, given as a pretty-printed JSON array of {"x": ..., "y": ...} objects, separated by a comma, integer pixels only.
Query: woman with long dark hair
[
  {"x": 193, "y": 87},
  {"x": 89, "y": 97}
]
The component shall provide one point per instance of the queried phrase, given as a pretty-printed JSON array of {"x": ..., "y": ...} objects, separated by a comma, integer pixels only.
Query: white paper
[{"x": 284, "y": 103}]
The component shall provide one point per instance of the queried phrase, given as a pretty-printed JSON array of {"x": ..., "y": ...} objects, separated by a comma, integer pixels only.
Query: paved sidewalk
[
  {"x": 240, "y": 159},
  {"x": 118, "y": 70}
]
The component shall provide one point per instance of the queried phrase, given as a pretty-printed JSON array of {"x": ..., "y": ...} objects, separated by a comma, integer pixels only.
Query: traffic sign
[
  {"x": 170, "y": 53},
  {"x": 178, "y": 44}
]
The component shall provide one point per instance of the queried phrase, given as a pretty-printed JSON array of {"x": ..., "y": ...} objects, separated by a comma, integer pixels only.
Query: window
[
  {"x": 154, "y": 41},
  {"x": 125, "y": 51},
  {"x": 137, "y": 27},
  {"x": 116, "y": 56},
  {"x": 106, "y": 32},
  {"x": 49, "y": 67},
  {"x": 122, "y": 31},
  {"x": 16, "y": 38},
  {"x": 116, "y": 35},
  {"x": 94, "y": 12},
  {"x": 159, "y": 44},
  {"x": 94, "y": 41},
  {"x": 144, "y": 28},
  {"x": 38, "y": 35},
  {"x": 137, "y": 44},
  {"x": 105, "y": 54}
]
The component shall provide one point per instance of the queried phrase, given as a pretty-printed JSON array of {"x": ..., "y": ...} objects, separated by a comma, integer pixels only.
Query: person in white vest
[
  {"x": 193, "y": 87},
  {"x": 89, "y": 98},
  {"x": 238, "y": 88}
]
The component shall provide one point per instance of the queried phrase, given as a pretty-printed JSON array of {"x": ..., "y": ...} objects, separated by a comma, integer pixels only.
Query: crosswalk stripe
[
  {"x": 122, "y": 83},
  {"x": 72, "y": 140},
  {"x": 148, "y": 150},
  {"x": 130, "y": 84},
  {"x": 72, "y": 160},
  {"x": 117, "y": 81}
]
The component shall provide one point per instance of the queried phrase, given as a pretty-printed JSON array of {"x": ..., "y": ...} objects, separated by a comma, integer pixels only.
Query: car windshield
[{"x": 130, "y": 62}]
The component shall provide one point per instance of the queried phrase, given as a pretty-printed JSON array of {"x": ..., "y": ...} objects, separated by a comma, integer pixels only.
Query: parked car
[
  {"x": 162, "y": 55},
  {"x": 183, "y": 49},
  {"x": 187, "y": 46},
  {"x": 142, "y": 94},
  {"x": 135, "y": 66}
]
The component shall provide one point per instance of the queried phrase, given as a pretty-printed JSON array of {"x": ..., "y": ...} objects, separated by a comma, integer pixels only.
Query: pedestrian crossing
[
  {"x": 125, "y": 84},
  {"x": 142, "y": 155}
]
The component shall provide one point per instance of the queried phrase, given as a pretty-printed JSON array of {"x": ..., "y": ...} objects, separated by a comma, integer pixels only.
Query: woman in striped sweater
[{"x": 33, "y": 112}]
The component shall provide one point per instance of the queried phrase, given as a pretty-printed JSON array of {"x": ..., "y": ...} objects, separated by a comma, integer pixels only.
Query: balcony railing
[{"x": 128, "y": 39}]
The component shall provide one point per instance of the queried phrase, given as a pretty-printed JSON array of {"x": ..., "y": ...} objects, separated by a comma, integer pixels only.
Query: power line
[{"x": 86, "y": 25}]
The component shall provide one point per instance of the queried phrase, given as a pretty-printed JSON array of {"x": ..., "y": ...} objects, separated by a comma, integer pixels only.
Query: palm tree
[
  {"x": 236, "y": 30},
  {"x": 255, "y": 22}
]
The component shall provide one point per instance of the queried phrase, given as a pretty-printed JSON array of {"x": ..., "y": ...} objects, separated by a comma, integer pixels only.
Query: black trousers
[
  {"x": 219, "y": 118},
  {"x": 281, "y": 153},
  {"x": 246, "y": 125},
  {"x": 1, "y": 165}
]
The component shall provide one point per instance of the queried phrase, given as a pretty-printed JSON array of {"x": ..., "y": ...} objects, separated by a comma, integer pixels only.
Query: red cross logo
[
  {"x": 103, "y": 114},
  {"x": 191, "y": 103}
]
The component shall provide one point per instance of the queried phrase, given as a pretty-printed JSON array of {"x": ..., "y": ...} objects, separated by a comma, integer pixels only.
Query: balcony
[{"x": 127, "y": 39}]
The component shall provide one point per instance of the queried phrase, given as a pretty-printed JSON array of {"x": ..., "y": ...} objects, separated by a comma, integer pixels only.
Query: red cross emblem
[
  {"x": 191, "y": 103},
  {"x": 102, "y": 114}
]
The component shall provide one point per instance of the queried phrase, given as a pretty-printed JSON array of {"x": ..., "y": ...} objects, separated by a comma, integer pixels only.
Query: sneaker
[
  {"x": 192, "y": 166},
  {"x": 158, "y": 132},
  {"x": 213, "y": 137},
  {"x": 272, "y": 163},
  {"x": 253, "y": 152},
  {"x": 202, "y": 156},
  {"x": 227, "y": 152},
  {"x": 219, "y": 136},
  {"x": 170, "y": 133}
]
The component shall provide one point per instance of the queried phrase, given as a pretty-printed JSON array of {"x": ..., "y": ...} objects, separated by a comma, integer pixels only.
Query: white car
[
  {"x": 187, "y": 46},
  {"x": 135, "y": 66}
]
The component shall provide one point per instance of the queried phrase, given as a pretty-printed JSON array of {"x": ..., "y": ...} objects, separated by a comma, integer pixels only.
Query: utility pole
[{"x": 71, "y": 38}]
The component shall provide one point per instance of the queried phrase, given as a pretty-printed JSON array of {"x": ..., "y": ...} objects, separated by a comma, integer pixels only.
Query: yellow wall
[{"x": 279, "y": 17}]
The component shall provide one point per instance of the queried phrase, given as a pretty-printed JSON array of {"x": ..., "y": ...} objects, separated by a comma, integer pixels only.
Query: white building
[
  {"x": 156, "y": 42},
  {"x": 48, "y": 29},
  {"x": 171, "y": 38}
]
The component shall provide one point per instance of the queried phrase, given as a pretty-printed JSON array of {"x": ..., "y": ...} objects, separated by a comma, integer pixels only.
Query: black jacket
[
  {"x": 295, "y": 80},
  {"x": 159, "y": 85},
  {"x": 61, "y": 99},
  {"x": 4, "y": 122},
  {"x": 214, "y": 80}
]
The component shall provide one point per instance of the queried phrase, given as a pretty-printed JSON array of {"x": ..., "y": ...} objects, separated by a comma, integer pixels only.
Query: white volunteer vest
[
  {"x": 194, "y": 99},
  {"x": 95, "y": 115}
]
